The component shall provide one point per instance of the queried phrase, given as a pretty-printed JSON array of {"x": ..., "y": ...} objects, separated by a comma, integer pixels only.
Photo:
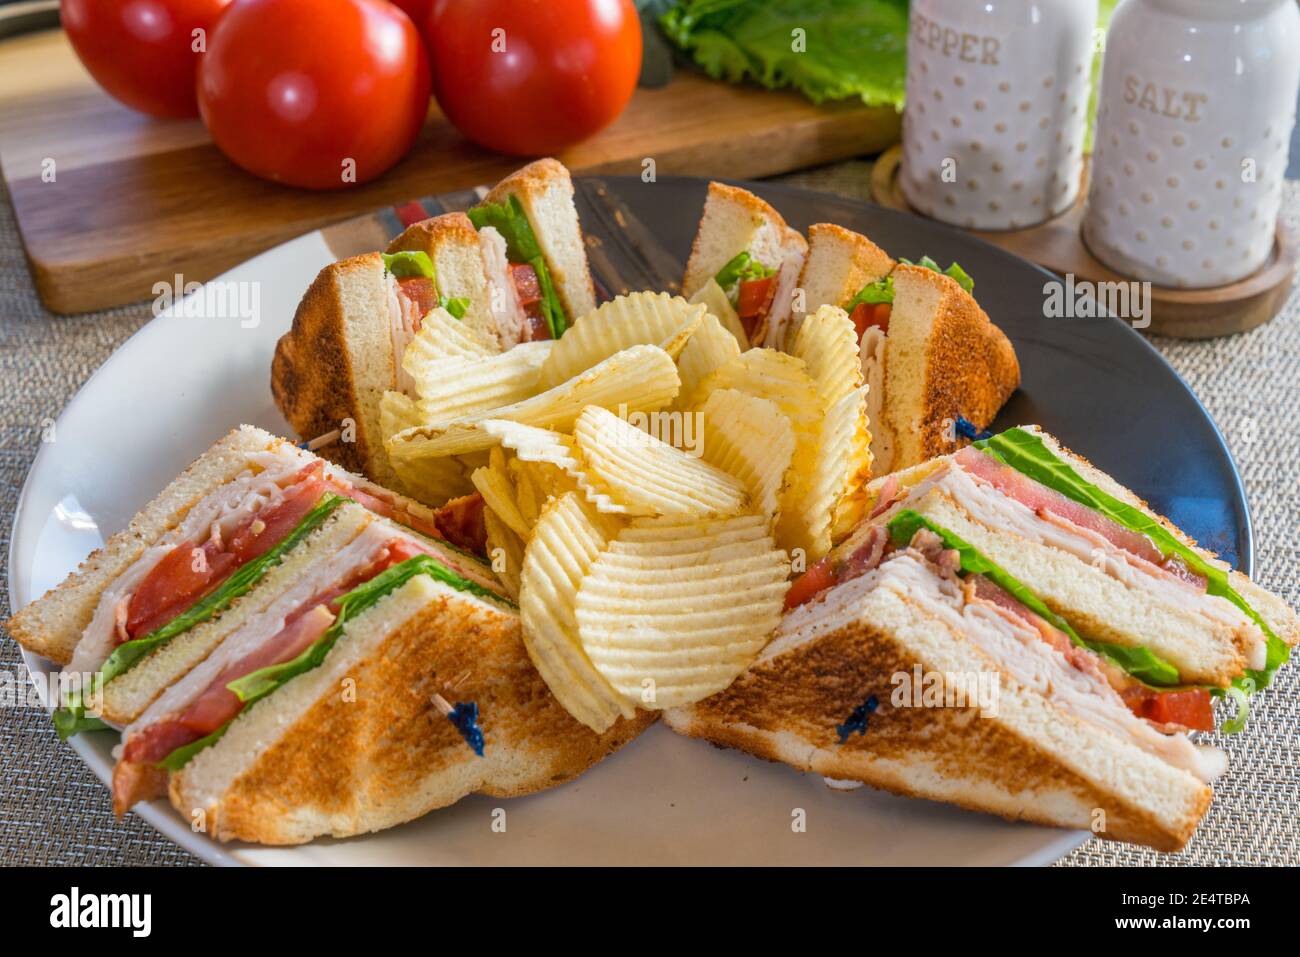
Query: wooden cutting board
[{"x": 134, "y": 201}]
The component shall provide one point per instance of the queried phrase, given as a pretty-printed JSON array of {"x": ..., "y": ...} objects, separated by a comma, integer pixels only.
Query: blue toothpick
[
  {"x": 464, "y": 716},
  {"x": 857, "y": 722},
  {"x": 968, "y": 430}
]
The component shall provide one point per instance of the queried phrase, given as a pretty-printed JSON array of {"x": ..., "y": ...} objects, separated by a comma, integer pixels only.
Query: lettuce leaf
[
  {"x": 882, "y": 290},
  {"x": 457, "y": 306},
  {"x": 256, "y": 685},
  {"x": 872, "y": 294},
  {"x": 853, "y": 48},
  {"x": 1028, "y": 454},
  {"x": 1141, "y": 663},
  {"x": 510, "y": 220},
  {"x": 72, "y": 718},
  {"x": 412, "y": 264},
  {"x": 741, "y": 268},
  {"x": 237, "y": 585},
  {"x": 409, "y": 264},
  {"x": 954, "y": 271}
]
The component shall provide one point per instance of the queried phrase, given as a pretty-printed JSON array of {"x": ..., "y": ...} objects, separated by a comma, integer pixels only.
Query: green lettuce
[
  {"x": 256, "y": 685},
  {"x": 511, "y": 222},
  {"x": 882, "y": 290},
  {"x": 237, "y": 585},
  {"x": 409, "y": 264},
  {"x": 954, "y": 271},
  {"x": 1028, "y": 454},
  {"x": 72, "y": 718},
  {"x": 1141, "y": 663},
  {"x": 741, "y": 268},
  {"x": 413, "y": 264},
  {"x": 457, "y": 306},
  {"x": 872, "y": 294},
  {"x": 852, "y": 48}
]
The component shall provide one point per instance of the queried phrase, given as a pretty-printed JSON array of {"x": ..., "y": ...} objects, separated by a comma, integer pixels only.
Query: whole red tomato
[
  {"x": 417, "y": 10},
  {"x": 533, "y": 76},
  {"x": 314, "y": 93},
  {"x": 143, "y": 52}
]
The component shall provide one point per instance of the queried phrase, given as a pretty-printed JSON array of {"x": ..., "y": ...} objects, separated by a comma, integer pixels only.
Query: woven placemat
[{"x": 54, "y": 811}]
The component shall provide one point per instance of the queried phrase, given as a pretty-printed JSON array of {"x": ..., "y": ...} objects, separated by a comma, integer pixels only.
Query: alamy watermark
[{"x": 1073, "y": 298}]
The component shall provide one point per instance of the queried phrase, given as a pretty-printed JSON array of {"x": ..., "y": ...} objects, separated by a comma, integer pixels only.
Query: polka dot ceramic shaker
[
  {"x": 1193, "y": 130},
  {"x": 997, "y": 101}
]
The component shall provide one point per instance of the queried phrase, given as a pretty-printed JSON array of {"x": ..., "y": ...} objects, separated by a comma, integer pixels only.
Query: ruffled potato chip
[
  {"x": 649, "y": 476},
  {"x": 566, "y": 540},
  {"x": 640, "y": 378},
  {"x": 673, "y": 610},
  {"x": 640, "y": 318}
]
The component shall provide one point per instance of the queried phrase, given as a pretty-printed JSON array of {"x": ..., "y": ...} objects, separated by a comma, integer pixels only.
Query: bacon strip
[{"x": 460, "y": 521}]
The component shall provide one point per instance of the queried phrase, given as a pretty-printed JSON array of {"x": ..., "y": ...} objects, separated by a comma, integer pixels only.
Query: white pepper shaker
[
  {"x": 1193, "y": 132},
  {"x": 997, "y": 101}
]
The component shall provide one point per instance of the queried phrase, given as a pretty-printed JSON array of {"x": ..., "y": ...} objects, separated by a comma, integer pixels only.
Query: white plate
[{"x": 180, "y": 384}]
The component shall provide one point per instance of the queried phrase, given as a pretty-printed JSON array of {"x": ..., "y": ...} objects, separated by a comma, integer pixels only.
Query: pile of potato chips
[{"x": 651, "y": 483}]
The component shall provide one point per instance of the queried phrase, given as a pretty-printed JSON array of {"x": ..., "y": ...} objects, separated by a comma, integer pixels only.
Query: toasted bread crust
[
  {"x": 761, "y": 208},
  {"x": 312, "y": 378},
  {"x": 722, "y": 204},
  {"x": 572, "y": 276},
  {"x": 388, "y": 755},
  {"x": 532, "y": 180},
  {"x": 52, "y": 625},
  {"x": 866, "y": 262},
  {"x": 426, "y": 235},
  {"x": 971, "y": 368},
  {"x": 787, "y": 708},
  {"x": 1279, "y": 616}
]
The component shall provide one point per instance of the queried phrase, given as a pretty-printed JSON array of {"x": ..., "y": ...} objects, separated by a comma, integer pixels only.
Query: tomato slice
[
  {"x": 753, "y": 297},
  {"x": 529, "y": 290},
  {"x": 421, "y": 291},
  {"x": 1190, "y": 708},
  {"x": 811, "y": 583},
  {"x": 183, "y": 576},
  {"x": 865, "y": 315},
  {"x": 527, "y": 286},
  {"x": 262, "y": 532},
  {"x": 217, "y": 704}
]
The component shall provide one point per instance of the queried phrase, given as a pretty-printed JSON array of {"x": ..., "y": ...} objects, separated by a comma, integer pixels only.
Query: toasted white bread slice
[
  {"x": 806, "y": 703},
  {"x": 944, "y": 359},
  {"x": 332, "y": 368},
  {"x": 1279, "y": 616},
  {"x": 1276, "y": 612},
  {"x": 736, "y": 221},
  {"x": 1168, "y": 622},
  {"x": 53, "y": 625},
  {"x": 451, "y": 243},
  {"x": 56, "y": 624},
  {"x": 307, "y": 761},
  {"x": 840, "y": 262},
  {"x": 127, "y": 696},
  {"x": 545, "y": 190}
]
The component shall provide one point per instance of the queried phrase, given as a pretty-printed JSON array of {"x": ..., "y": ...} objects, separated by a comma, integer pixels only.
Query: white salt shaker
[
  {"x": 997, "y": 103},
  {"x": 1193, "y": 131}
]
